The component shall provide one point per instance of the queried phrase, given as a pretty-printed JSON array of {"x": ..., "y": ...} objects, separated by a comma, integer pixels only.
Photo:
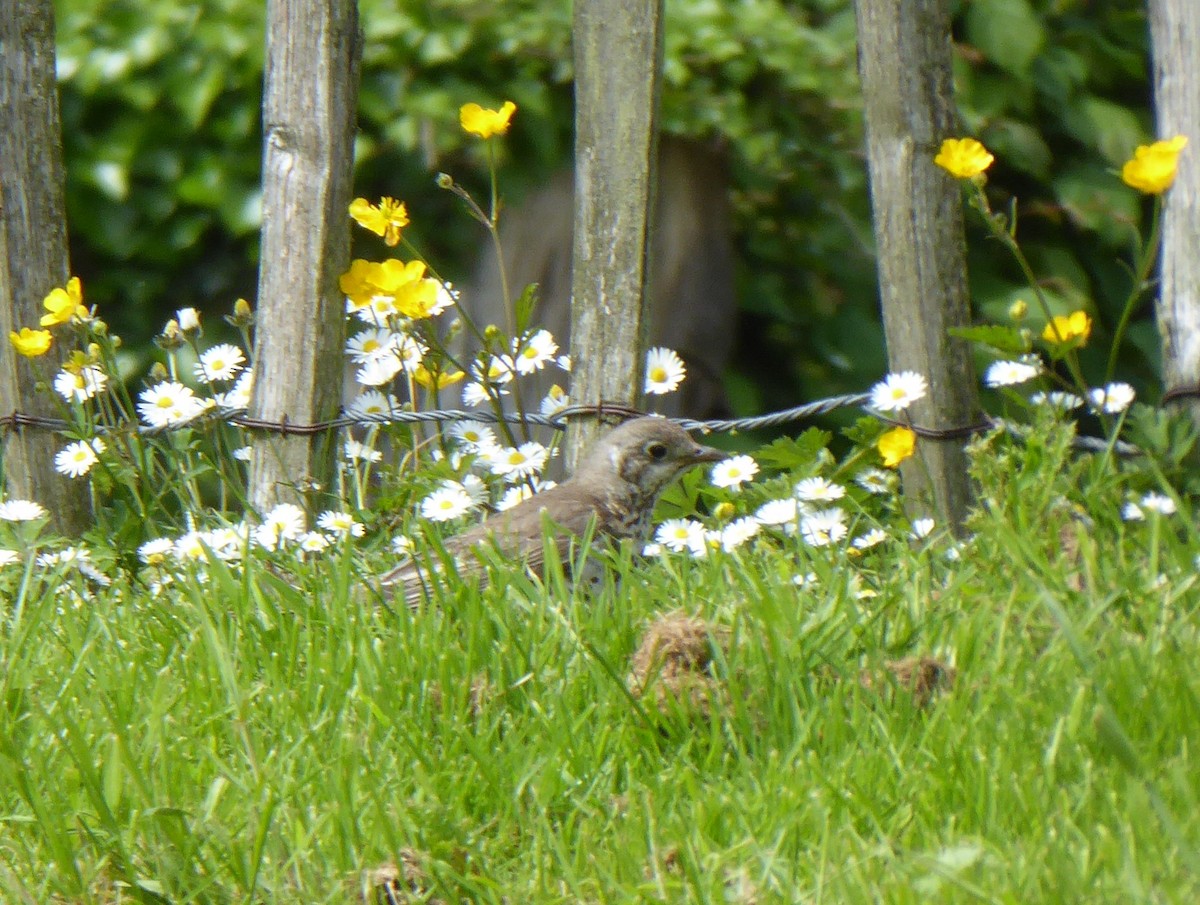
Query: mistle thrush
[{"x": 613, "y": 493}]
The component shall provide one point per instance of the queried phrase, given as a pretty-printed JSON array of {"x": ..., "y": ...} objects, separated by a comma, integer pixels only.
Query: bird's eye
[{"x": 656, "y": 451}]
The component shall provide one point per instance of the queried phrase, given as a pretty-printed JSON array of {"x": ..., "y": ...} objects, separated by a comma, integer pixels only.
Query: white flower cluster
[
  {"x": 1112, "y": 399},
  {"x": 512, "y": 473},
  {"x": 284, "y": 527},
  {"x": 811, "y": 511}
]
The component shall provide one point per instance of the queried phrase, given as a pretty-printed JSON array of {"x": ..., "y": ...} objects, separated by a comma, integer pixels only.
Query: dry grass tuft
[
  {"x": 394, "y": 884},
  {"x": 671, "y": 667},
  {"x": 923, "y": 677}
]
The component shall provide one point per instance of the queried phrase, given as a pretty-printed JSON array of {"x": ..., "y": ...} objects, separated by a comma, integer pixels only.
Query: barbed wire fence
[{"x": 557, "y": 420}]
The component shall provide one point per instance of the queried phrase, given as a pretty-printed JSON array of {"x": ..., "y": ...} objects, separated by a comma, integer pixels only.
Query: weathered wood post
[
  {"x": 618, "y": 61},
  {"x": 308, "y": 154},
  {"x": 904, "y": 64},
  {"x": 33, "y": 249},
  {"x": 1175, "y": 43}
]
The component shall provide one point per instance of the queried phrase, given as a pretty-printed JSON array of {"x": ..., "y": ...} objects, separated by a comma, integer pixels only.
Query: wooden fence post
[
  {"x": 1175, "y": 42},
  {"x": 618, "y": 61},
  {"x": 33, "y": 251},
  {"x": 904, "y": 64},
  {"x": 308, "y": 154}
]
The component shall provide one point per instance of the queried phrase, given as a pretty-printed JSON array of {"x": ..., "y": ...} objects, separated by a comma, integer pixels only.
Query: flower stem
[{"x": 1146, "y": 261}]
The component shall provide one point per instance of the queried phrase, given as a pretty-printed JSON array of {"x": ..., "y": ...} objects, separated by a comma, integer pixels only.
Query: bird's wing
[{"x": 515, "y": 534}]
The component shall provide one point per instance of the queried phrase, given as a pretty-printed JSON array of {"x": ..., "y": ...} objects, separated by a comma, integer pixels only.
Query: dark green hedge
[{"x": 161, "y": 99}]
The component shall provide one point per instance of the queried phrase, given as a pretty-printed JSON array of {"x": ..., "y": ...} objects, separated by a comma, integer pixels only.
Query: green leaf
[
  {"x": 1009, "y": 340},
  {"x": 790, "y": 453},
  {"x": 1009, "y": 32},
  {"x": 524, "y": 306},
  {"x": 865, "y": 431},
  {"x": 1095, "y": 199}
]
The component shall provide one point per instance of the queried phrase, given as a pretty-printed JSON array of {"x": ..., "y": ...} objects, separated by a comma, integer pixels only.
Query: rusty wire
[{"x": 239, "y": 418}]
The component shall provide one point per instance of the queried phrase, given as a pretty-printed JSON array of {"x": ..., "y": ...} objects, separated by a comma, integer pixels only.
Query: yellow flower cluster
[
  {"x": 63, "y": 305},
  {"x": 385, "y": 219},
  {"x": 963, "y": 158},
  {"x": 1151, "y": 170},
  {"x": 391, "y": 287},
  {"x": 1153, "y": 167},
  {"x": 896, "y": 445},
  {"x": 485, "y": 123},
  {"x": 1065, "y": 328}
]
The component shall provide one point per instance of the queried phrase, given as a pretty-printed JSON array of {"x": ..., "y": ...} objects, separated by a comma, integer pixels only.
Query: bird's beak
[{"x": 708, "y": 454}]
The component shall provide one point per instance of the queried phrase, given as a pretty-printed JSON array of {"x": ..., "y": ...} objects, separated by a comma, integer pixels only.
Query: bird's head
[{"x": 646, "y": 453}]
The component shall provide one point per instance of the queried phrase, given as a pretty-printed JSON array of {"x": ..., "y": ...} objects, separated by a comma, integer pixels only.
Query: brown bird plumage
[{"x": 615, "y": 488}]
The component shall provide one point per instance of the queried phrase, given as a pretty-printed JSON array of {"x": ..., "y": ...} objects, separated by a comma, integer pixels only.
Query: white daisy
[
  {"x": 555, "y": 401},
  {"x": 313, "y": 542},
  {"x": 733, "y": 472},
  {"x": 219, "y": 363},
  {"x": 870, "y": 539},
  {"x": 285, "y": 522},
  {"x": 664, "y": 371},
  {"x": 374, "y": 402},
  {"x": 679, "y": 534},
  {"x": 738, "y": 532},
  {"x": 9, "y": 557},
  {"x": 515, "y": 463},
  {"x": 77, "y": 458},
  {"x": 1132, "y": 512},
  {"x": 228, "y": 543},
  {"x": 779, "y": 512},
  {"x": 819, "y": 490},
  {"x": 82, "y": 386},
  {"x": 361, "y": 452},
  {"x": 153, "y": 552},
  {"x": 475, "y": 394},
  {"x": 1159, "y": 503},
  {"x": 445, "y": 504},
  {"x": 168, "y": 403},
  {"x": 564, "y": 362},
  {"x": 518, "y": 493},
  {"x": 534, "y": 352},
  {"x": 1112, "y": 399},
  {"x": 921, "y": 528},
  {"x": 367, "y": 345},
  {"x": 238, "y": 396},
  {"x": 876, "y": 480},
  {"x": 378, "y": 371},
  {"x": 500, "y": 369},
  {"x": 473, "y": 435},
  {"x": 471, "y": 487},
  {"x": 376, "y": 310},
  {"x": 823, "y": 527},
  {"x": 21, "y": 511},
  {"x": 1057, "y": 399},
  {"x": 1010, "y": 373},
  {"x": 896, "y": 392},
  {"x": 477, "y": 490},
  {"x": 402, "y": 544},
  {"x": 340, "y": 523},
  {"x": 188, "y": 319},
  {"x": 190, "y": 546}
]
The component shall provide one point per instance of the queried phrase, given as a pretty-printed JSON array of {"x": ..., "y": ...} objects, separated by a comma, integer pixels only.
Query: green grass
[{"x": 265, "y": 738}]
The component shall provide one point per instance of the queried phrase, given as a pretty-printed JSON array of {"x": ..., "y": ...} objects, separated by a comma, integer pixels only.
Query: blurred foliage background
[{"x": 161, "y": 122}]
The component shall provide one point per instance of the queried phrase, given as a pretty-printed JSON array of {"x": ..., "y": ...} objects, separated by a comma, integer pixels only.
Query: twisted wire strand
[{"x": 557, "y": 420}]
